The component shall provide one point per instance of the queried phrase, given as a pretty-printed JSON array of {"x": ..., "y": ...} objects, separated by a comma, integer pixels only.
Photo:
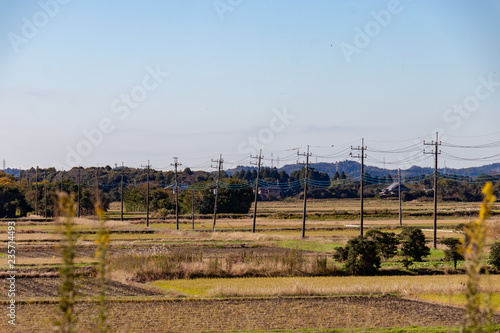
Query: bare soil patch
[
  {"x": 248, "y": 314},
  {"x": 28, "y": 287}
]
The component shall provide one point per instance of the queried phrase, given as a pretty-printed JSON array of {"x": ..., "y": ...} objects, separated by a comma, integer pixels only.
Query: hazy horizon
[{"x": 97, "y": 83}]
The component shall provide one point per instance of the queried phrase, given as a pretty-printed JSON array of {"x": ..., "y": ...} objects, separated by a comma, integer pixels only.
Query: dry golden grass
[
  {"x": 325, "y": 286},
  {"x": 50, "y": 261}
]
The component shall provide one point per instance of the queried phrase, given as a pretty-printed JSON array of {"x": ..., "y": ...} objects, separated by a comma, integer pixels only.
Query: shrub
[
  {"x": 363, "y": 257},
  {"x": 413, "y": 241},
  {"x": 341, "y": 254},
  {"x": 494, "y": 257}
]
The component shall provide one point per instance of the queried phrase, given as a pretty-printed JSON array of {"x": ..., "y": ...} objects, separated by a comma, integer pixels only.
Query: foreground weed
[
  {"x": 472, "y": 250},
  {"x": 67, "y": 291},
  {"x": 102, "y": 250}
]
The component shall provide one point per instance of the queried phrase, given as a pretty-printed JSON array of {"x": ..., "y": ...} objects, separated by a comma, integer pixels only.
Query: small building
[
  {"x": 394, "y": 189},
  {"x": 267, "y": 193}
]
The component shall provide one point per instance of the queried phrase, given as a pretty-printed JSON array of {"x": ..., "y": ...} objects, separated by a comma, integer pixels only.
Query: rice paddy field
[{"x": 161, "y": 279}]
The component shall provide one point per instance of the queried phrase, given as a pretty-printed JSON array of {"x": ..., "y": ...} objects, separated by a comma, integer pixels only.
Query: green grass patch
[{"x": 307, "y": 245}]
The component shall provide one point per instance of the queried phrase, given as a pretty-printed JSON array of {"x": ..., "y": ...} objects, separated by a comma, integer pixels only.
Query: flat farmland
[
  {"x": 297, "y": 313},
  {"x": 243, "y": 281}
]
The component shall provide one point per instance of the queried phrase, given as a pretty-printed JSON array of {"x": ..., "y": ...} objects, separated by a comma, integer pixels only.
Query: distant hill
[{"x": 353, "y": 168}]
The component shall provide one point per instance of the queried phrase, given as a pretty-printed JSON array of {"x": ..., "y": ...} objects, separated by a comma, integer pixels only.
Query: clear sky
[{"x": 103, "y": 82}]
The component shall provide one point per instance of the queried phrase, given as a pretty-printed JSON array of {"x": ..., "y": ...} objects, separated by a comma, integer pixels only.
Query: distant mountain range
[{"x": 353, "y": 168}]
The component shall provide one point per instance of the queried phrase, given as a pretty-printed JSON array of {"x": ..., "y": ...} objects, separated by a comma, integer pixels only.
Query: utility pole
[
  {"x": 435, "y": 152},
  {"x": 147, "y": 194},
  {"x": 192, "y": 208},
  {"x": 362, "y": 156},
  {"x": 78, "y": 203},
  {"x": 256, "y": 188},
  {"x": 36, "y": 191},
  {"x": 121, "y": 195},
  {"x": 399, "y": 193},
  {"x": 97, "y": 185},
  {"x": 45, "y": 199},
  {"x": 219, "y": 162},
  {"x": 306, "y": 177},
  {"x": 175, "y": 164},
  {"x": 62, "y": 179}
]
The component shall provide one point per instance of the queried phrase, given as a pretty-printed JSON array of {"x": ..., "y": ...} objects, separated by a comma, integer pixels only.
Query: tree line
[{"x": 35, "y": 190}]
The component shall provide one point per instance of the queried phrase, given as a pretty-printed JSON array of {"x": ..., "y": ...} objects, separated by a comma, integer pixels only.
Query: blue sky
[{"x": 229, "y": 77}]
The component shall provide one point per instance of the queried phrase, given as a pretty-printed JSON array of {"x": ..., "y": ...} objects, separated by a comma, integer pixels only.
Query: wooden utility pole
[
  {"x": 219, "y": 167},
  {"x": 362, "y": 156},
  {"x": 147, "y": 194},
  {"x": 45, "y": 199},
  {"x": 62, "y": 179},
  {"x": 256, "y": 188},
  {"x": 78, "y": 195},
  {"x": 121, "y": 195},
  {"x": 97, "y": 184},
  {"x": 36, "y": 191},
  {"x": 399, "y": 194},
  {"x": 176, "y": 190},
  {"x": 306, "y": 179},
  {"x": 435, "y": 152},
  {"x": 192, "y": 208}
]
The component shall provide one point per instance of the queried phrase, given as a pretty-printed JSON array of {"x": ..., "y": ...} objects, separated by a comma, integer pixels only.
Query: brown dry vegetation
[
  {"x": 249, "y": 314},
  {"x": 140, "y": 254}
]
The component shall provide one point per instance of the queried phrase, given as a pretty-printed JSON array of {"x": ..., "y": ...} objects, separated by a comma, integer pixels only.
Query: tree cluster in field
[{"x": 364, "y": 255}]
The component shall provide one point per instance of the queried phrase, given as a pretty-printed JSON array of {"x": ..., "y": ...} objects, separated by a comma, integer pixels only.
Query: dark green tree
[
  {"x": 11, "y": 202},
  {"x": 387, "y": 243},
  {"x": 452, "y": 253},
  {"x": 233, "y": 199},
  {"x": 413, "y": 243},
  {"x": 494, "y": 257},
  {"x": 363, "y": 257}
]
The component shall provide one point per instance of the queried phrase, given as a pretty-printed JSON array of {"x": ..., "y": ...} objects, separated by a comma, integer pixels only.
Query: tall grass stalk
[
  {"x": 475, "y": 318},
  {"x": 67, "y": 291},
  {"x": 102, "y": 242}
]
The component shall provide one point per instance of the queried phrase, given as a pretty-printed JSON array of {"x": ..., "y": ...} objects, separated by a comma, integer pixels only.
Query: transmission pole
[
  {"x": 435, "y": 152},
  {"x": 62, "y": 179},
  {"x": 147, "y": 194},
  {"x": 306, "y": 177},
  {"x": 219, "y": 162},
  {"x": 36, "y": 191},
  {"x": 78, "y": 195},
  {"x": 121, "y": 195},
  {"x": 97, "y": 185},
  {"x": 362, "y": 156},
  {"x": 399, "y": 193},
  {"x": 256, "y": 188},
  {"x": 175, "y": 164},
  {"x": 192, "y": 208},
  {"x": 45, "y": 199}
]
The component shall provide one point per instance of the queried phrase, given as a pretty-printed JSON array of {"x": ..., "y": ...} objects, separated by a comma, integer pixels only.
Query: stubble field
[{"x": 193, "y": 305}]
